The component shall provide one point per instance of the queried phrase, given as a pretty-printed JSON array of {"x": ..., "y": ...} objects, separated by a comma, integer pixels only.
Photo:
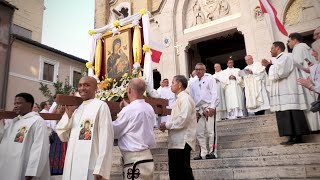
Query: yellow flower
[
  {"x": 143, "y": 12},
  {"x": 91, "y": 32},
  {"x": 89, "y": 65},
  {"x": 146, "y": 48},
  {"x": 116, "y": 23}
]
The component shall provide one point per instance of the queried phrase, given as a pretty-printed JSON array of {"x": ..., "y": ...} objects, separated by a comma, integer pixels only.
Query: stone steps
[
  {"x": 248, "y": 148},
  {"x": 275, "y": 172}
]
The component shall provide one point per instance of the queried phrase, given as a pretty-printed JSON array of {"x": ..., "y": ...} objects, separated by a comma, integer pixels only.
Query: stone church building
[{"x": 210, "y": 31}]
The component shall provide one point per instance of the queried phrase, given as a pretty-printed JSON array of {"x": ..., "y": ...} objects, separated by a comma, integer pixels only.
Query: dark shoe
[
  {"x": 211, "y": 156},
  {"x": 289, "y": 142},
  {"x": 298, "y": 140},
  {"x": 197, "y": 157}
]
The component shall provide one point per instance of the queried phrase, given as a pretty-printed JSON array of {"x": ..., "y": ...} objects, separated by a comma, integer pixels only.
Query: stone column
[{"x": 102, "y": 13}]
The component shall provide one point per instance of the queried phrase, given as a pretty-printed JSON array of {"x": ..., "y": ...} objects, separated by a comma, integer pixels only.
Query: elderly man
[
  {"x": 204, "y": 93},
  {"x": 257, "y": 100},
  {"x": 286, "y": 96},
  {"x": 166, "y": 93},
  {"x": 89, "y": 132},
  {"x": 24, "y": 143},
  {"x": 221, "y": 111},
  {"x": 235, "y": 96},
  {"x": 182, "y": 131},
  {"x": 301, "y": 54},
  {"x": 134, "y": 130}
]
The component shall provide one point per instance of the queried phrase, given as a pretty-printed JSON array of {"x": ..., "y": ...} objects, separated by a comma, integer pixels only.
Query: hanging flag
[
  {"x": 268, "y": 8},
  {"x": 156, "y": 49}
]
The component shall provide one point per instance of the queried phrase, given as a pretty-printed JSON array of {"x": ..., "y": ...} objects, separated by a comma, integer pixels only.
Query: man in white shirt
[
  {"x": 166, "y": 93},
  {"x": 24, "y": 143},
  {"x": 89, "y": 132},
  {"x": 134, "y": 131},
  {"x": 301, "y": 54},
  {"x": 182, "y": 129},
  {"x": 204, "y": 93},
  {"x": 44, "y": 106},
  {"x": 286, "y": 96},
  {"x": 254, "y": 78},
  {"x": 221, "y": 110},
  {"x": 235, "y": 96}
]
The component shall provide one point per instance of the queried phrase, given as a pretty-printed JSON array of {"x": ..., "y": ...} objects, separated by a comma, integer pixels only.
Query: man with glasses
[{"x": 204, "y": 93}]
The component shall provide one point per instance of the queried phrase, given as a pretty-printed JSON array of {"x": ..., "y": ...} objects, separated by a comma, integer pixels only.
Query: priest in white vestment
[
  {"x": 286, "y": 96},
  {"x": 24, "y": 143},
  {"x": 204, "y": 93},
  {"x": 134, "y": 131},
  {"x": 313, "y": 83},
  {"x": 301, "y": 54},
  {"x": 221, "y": 110},
  {"x": 254, "y": 78},
  {"x": 89, "y": 132},
  {"x": 233, "y": 89},
  {"x": 182, "y": 129},
  {"x": 166, "y": 93}
]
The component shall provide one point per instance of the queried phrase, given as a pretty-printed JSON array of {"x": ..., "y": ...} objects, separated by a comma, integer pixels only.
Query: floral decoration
[{"x": 110, "y": 89}]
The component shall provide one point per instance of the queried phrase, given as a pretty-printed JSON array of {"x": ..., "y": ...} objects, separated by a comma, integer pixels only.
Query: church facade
[{"x": 210, "y": 31}]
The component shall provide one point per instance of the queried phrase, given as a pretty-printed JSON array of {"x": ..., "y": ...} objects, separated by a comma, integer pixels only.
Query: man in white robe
[
  {"x": 235, "y": 96},
  {"x": 182, "y": 129},
  {"x": 301, "y": 54},
  {"x": 257, "y": 100},
  {"x": 24, "y": 143},
  {"x": 134, "y": 131},
  {"x": 89, "y": 133},
  {"x": 221, "y": 110},
  {"x": 204, "y": 93},
  {"x": 286, "y": 96},
  {"x": 166, "y": 93}
]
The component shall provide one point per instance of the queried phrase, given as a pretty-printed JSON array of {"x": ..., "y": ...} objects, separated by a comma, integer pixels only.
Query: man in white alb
[
  {"x": 182, "y": 129},
  {"x": 286, "y": 96},
  {"x": 24, "y": 143},
  {"x": 204, "y": 93},
  {"x": 166, "y": 93},
  {"x": 254, "y": 78},
  {"x": 221, "y": 110},
  {"x": 235, "y": 96},
  {"x": 89, "y": 133},
  {"x": 134, "y": 131},
  {"x": 301, "y": 54}
]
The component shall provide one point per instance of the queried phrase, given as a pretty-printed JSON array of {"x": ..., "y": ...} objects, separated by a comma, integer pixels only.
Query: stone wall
[{"x": 29, "y": 16}]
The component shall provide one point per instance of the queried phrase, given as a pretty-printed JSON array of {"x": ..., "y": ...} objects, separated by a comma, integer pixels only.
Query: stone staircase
[{"x": 248, "y": 148}]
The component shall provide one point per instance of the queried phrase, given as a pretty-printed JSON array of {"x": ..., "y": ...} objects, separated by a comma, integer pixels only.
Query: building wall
[
  {"x": 6, "y": 14},
  {"x": 175, "y": 19},
  {"x": 25, "y": 69},
  {"x": 29, "y": 16}
]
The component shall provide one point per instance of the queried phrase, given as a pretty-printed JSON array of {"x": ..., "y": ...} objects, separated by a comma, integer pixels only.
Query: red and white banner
[
  {"x": 268, "y": 8},
  {"x": 156, "y": 49}
]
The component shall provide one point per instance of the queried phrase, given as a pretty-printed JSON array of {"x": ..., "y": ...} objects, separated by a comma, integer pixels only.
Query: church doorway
[{"x": 217, "y": 49}]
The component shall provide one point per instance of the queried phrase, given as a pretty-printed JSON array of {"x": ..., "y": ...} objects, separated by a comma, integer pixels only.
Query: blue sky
[{"x": 66, "y": 24}]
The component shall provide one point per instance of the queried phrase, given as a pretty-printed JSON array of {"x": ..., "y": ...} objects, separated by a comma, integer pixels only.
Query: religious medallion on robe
[
  {"x": 86, "y": 130},
  {"x": 20, "y": 134}
]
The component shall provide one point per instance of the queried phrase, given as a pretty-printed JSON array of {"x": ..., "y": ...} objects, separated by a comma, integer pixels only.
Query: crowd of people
[{"x": 286, "y": 85}]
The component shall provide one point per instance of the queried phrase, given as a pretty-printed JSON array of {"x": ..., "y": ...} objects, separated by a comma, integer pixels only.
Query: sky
[{"x": 66, "y": 24}]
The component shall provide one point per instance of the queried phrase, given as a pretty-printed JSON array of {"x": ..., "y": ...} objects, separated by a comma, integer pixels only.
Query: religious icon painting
[
  {"x": 20, "y": 135},
  {"x": 86, "y": 130},
  {"x": 118, "y": 53}
]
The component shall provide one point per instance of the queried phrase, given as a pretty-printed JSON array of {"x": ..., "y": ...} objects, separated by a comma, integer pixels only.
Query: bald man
[
  {"x": 254, "y": 78},
  {"x": 134, "y": 131},
  {"x": 89, "y": 132}
]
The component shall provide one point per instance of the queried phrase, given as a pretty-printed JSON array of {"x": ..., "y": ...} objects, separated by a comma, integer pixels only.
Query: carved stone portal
[
  {"x": 302, "y": 11},
  {"x": 208, "y": 10}
]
